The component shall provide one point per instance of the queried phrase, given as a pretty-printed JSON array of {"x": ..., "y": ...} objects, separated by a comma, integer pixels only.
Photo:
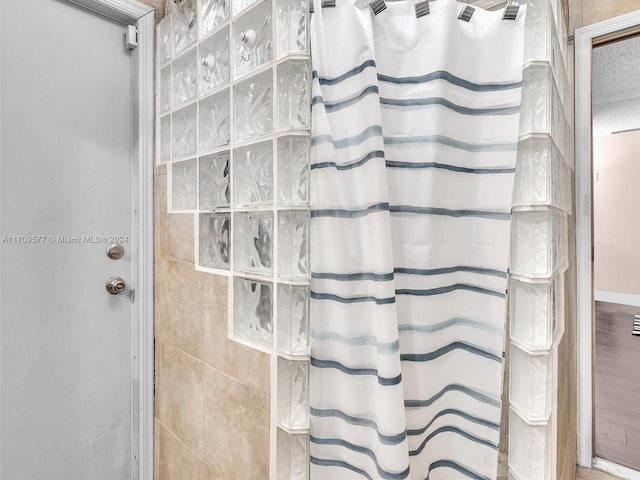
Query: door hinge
[{"x": 131, "y": 37}]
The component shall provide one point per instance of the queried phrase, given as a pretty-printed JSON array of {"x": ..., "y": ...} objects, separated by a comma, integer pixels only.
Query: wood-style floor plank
[{"x": 617, "y": 385}]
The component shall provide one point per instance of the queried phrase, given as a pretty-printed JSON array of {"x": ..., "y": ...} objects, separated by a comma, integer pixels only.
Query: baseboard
[
  {"x": 615, "y": 297},
  {"x": 615, "y": 469}
]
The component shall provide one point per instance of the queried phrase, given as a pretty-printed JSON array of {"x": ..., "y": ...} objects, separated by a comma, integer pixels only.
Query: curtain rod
[{"x": 511, "y": 8}]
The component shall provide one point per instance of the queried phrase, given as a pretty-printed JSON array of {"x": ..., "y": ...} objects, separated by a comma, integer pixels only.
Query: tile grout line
[{"x": 175, "y": 347}]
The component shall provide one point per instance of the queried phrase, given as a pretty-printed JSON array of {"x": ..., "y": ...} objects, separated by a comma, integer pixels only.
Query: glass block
[
  {"x": 185, "y": 74},
  {"x": 529, "y": 449},
  {"x": 215, "y": 119},
  {"x": 215, "y": 240},
  {"x": 166, "y": 40},
  {"x": 293, "y": 170},
  {"x": 541, "y": 109},
  {"x": 294, "y": 109},
  {"x": 213, "y": 176},
  {"x": 534, "y": 311},
  {"x": 253, "y": 174},
  {"x": 183, "y": 131},
  {"x": 529, "y": 381},
  {"x": 212, "y": 14},
  {"x": 293, "y": 393},
  {"x": 292, "y": 461},
  {"x": 238, "y": 5},
  {"x": 253, "y": 106},
  {"x": 184, "y": 25},
  {"x": 165, "y": 138},
  {"x": 533, "y": 176},
  {"x": 293, "y": 244},
  {"x": 546, "y": 41},
  {"x": 214, "y": 61},
  {"x": 542, "y": 177},
  {"x": 293, "y": 319},
  {"x": 184, "y": 185},
  {"x": 561, "y": 27},
  {"x": 292, "y": 23},
  {"x": 252, "y": 310},
  {"x": 539, "y": 242},
  {"x": 543, "y": 41},
  {"x": 165, "y": 89},
  {"x": 253, "y": 242},
  {"x": 252, "y": 39}
]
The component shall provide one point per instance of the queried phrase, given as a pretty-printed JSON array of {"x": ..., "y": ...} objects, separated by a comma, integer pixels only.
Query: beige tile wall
[
  {"x": 567, "y": 421},
  {"x": 212, "y": 394},
  {"x": 588, "y": 12},
  {"x": 160, "y": 7}
]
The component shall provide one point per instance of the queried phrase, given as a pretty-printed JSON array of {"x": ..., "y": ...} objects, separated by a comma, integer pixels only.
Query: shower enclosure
[{"x": 233, "y": 130}]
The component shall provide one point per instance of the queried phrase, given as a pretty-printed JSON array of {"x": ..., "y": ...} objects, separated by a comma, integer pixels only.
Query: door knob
[
  {"x": 115, "y": 251},
  {"x": 115, "y": 285}
]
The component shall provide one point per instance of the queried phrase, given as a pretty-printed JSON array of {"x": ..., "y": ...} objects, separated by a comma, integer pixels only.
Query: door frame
[
  {"x": 131, "y": 12},
  {"x": 584, "y": 38}
]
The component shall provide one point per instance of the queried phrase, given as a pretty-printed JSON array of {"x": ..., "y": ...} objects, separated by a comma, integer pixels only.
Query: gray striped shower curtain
[{"x": 414, "y": 137}]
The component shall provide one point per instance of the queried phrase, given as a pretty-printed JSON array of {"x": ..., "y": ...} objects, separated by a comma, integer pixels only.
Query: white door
[{"x": 68, "y": 404}]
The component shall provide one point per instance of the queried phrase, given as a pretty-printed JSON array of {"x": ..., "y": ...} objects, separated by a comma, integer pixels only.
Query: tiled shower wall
[
  {"x": 542, "y": 279},
  {"x": 212, "y": 394},
  {"x": 233, "y": 109},
  {"x": 205, "y": 383}
]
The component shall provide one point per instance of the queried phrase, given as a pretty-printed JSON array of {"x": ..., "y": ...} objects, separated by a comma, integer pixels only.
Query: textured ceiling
[{"x": 616, "y": 87}]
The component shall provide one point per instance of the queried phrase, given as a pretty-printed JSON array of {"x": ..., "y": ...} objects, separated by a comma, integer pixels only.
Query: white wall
[{"x": 616, "y": 191}]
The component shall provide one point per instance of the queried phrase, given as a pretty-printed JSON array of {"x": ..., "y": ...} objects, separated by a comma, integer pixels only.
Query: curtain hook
[
  {"x": 466, "y": 13},
  {"x": 377, "y": 6},
  {"x": 325, "y": 4},
  {"x": 511, "y": 10},
  {"x": 422, "y": 8}
]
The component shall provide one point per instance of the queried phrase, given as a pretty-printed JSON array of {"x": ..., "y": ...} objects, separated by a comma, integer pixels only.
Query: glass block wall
[
  {"x": 233, "y": 128},
  {"x": 539, "y": 249}
]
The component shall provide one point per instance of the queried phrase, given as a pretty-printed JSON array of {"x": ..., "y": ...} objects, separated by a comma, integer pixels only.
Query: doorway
[
  {"x": 607, "y": 175},
  {"x": 76, "y": 292}
]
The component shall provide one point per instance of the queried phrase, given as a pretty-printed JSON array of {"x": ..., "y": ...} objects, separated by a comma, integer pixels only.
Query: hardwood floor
[
  {"x": 584, "y": 474},
  {"x": 617, "y": 385},
  {"x": 581, "y": 473}
]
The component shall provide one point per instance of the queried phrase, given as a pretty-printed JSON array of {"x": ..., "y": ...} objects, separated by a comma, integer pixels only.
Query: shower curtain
[{"x": 414, "y": 137}]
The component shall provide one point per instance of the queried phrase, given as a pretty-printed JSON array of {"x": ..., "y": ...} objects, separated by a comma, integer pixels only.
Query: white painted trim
[
  {"x": 615, "y": 297},
  {"x": 127, "y": 11},
  {"x": 143, "y": 60},
  {"x": 583, "y": 133},
  {"x": 583, "y": 46},
  {"x": 1, "y": 396},
  {"x": 615, "y": 469}
]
